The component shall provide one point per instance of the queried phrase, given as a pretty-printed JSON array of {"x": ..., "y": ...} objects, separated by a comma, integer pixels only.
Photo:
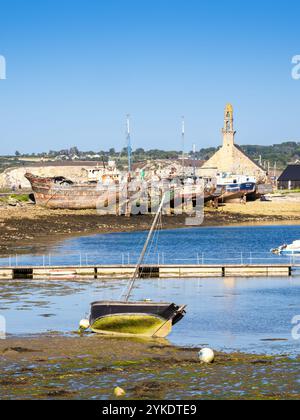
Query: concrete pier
[{"x": 153, "y": 271}]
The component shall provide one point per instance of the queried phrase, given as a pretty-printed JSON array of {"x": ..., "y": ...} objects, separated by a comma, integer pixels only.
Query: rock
[{"x": 12, "y": 202}]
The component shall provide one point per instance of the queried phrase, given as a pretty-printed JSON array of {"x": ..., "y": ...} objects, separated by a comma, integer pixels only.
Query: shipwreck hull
[
  {"x": 73, "y": 200},
  {"x": 60, "y": 193}
]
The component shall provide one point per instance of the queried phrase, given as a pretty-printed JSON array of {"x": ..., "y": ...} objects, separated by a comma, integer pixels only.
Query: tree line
[{"x": 281, "y": 154}]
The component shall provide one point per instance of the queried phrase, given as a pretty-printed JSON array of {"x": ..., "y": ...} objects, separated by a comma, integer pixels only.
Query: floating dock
[{"x": 148, "y": 271}]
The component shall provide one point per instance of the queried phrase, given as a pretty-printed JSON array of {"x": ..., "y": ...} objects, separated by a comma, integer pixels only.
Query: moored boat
[
  {"x": 235, "y": 187},
  {"x": 143, "y": 319},
  {"x": 292, "y": 249}
]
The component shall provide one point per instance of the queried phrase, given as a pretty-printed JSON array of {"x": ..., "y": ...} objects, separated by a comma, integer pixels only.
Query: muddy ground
[
  {"x": 90, "y": 367},
  {"x": 29, "y": 225}
]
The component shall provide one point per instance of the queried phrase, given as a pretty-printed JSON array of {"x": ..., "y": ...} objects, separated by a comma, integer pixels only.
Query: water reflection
[{"x": 226, "y": 314}]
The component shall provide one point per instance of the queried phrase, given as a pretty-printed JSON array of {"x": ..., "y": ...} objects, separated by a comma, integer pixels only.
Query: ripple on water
[{"x": 227, "y": 314}]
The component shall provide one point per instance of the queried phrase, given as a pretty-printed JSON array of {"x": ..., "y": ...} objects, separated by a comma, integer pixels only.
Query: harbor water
[
  {"x": 211, "y": 245},
  {"x": 233, "y": 314},
  {"x": 249, "y": 315}
]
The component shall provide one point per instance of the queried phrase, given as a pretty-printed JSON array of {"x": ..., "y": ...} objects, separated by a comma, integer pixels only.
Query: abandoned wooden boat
[
  {"x": 144, "y": 319},
  {"x": 62, "y": 193}
]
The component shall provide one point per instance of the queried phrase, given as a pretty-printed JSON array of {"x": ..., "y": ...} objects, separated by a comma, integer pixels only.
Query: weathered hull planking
[{"x": 61, "y": 193}]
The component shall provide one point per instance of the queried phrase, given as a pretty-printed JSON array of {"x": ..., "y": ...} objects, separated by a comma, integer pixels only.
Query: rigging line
[
  {"x": 146, "y": 256},
  {"x": 142, "y": 256},
  {"x": 148, "y": 252},
  {"x": 154, "y": 246},
  {"x": 154, "y": 240},
  {"x": 140, "y": 242},
  {"x": 155, "y": 249},
  {"x": 142, "y": 239},
  {"x": 156, "y": 237}
]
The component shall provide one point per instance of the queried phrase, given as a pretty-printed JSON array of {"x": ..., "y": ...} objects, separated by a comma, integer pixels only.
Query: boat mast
[
  {"x": 129, "y": 149},
  {"x": 194, "y": 160},
  {"x": 141, "y": 258},
  {"x": 183, "y": 144}
]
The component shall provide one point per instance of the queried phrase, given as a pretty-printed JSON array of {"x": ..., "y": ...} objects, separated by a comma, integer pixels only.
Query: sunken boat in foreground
[{"x": 144, "y": 319}]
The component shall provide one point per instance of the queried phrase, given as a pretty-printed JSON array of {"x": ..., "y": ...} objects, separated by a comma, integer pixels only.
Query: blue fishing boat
[{"x": 235, "y": 187}]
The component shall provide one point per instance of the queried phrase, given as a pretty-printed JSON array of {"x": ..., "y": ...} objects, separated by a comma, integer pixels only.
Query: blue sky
[{"x": 75, "y": 68}]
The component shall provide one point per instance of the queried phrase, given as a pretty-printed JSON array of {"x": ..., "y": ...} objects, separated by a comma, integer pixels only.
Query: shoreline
[
  {"x": 31, "y": 229},
  {"x": 52, "y": 366}
]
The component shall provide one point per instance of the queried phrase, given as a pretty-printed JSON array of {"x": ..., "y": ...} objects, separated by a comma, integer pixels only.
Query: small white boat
[{"x": 293, "y": 249}]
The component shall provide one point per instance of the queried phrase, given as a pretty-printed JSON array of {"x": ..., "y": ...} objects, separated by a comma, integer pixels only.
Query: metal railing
[{"x": 159, "y": 258}]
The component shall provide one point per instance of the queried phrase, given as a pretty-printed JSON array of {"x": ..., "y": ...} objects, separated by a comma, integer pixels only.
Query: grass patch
[
  {"x": 288, "y": 191},
  {"x": 20, "y": 198},
  {"x": 23, "y": 198}
]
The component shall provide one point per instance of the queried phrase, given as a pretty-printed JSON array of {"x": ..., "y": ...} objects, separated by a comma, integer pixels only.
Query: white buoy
[
  {"x": 84, "y": 324},
  {"x": 119, "y": 392},
  {"x": 206, "y": 356}
]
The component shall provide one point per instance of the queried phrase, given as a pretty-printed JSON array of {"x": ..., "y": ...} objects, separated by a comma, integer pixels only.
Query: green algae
[
  {"x": 133, "y": 324},
  {"x": 144, "y": 370}
]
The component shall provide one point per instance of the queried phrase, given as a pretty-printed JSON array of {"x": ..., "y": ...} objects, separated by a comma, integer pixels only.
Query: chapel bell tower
[{"x": 228, "y": 130}]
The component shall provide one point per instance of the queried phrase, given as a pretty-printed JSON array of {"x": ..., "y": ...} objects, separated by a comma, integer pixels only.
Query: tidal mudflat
[
  {"x": 90, "y": 367},
  {"x": 247, "y": 321}
]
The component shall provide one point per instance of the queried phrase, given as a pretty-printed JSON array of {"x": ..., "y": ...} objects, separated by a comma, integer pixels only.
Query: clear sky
[{"x": 75, "y": 68}]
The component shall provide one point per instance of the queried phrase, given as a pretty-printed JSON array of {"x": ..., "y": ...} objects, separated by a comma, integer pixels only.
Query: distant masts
[
  {"x": 275, "y": 169},
  {"x": 183, "y": 142},
  {"x": 194, "y": 160},
  {"x": 128, "y": 138}
]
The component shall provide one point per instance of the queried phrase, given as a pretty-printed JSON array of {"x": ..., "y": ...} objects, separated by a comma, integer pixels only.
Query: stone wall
[{"x": 14, "y": 177}]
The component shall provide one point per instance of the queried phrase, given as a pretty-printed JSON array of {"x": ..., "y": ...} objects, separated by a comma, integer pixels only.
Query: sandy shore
[
  {"x": 28, "y": 226},
  {"x": 57, "y": 367},
  {"x": 258, "y": 211}
]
